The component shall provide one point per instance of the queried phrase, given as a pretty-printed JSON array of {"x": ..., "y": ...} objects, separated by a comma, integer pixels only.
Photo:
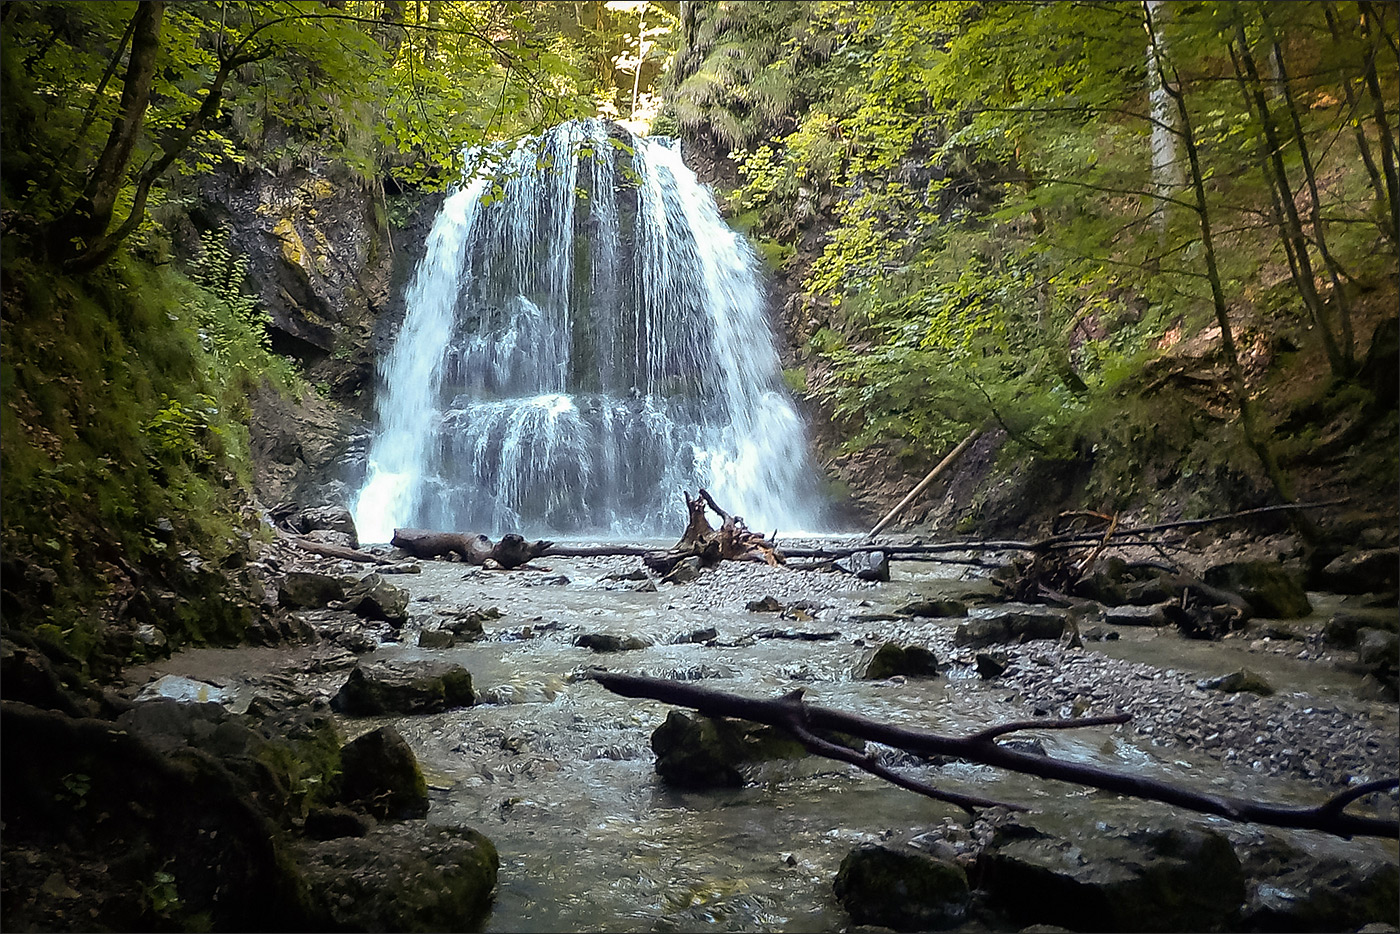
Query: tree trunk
[{"x": 1392, "y": 231}]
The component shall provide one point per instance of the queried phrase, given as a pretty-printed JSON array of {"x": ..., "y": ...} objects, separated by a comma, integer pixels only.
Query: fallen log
[
  {"x": 511, "y": 551},
  {"x": 925, "y": 483},
  {"x": 331, "y": 551},
  {"x": 802, "y": 720}
]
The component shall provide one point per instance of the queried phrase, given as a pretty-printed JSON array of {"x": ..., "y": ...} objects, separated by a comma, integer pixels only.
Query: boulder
[
  {"x": 1371, "y": 570},
  {"x": 766, "y": 605},
  {"x": 387, "y": 689},
  {"x": 333, "y": 822},
  {"x": 694, "y": 751},
  {"x": 1129, "y": 615},
  {"x": 608, "y": 642},
  {"x": 1105, "y": 583},
  {"x": 893, "y": 659},
  {"x": 330, "y": 519},
  {"x": 867, "y": 565},
  {"x": 1268, "y": 587},
  {"x": 902, "y": 888},
  {"x": 1377, "y": 648},
  {"x": 436, "y": 639},
  {"x": 936, "y": 609},
  {"x": 380, "y": 775},
  {"x": 1182, "y": 877},
  {"x": 1237, "y": 681},
  {"x": 398, "y": 878},
  {"x": 375, "y": 598},
  {"x": 1341, "y": 888},
  {"x": 990, "y": 665},
  {"x": 303, "y": 590},
  {"x": 1342, "y": 628},
  {"x": 1011, "y": 622},
  {"x": 685, "y": 571}
]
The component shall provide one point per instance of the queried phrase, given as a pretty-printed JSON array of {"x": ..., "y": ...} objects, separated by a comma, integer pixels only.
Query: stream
[{"x": 559, "y": 772}]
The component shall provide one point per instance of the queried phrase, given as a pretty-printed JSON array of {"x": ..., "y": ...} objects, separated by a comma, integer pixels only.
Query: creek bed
[{"x": 559, "y": 773}]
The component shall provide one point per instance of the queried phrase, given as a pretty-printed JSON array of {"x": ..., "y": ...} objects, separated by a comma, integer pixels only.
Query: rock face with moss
[
  {"x": 902, "y": 888},
  {"x": 388, "y": 689}
]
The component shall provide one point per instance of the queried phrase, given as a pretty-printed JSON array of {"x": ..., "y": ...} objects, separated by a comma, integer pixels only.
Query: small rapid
[{"x": 584, "y": 338}]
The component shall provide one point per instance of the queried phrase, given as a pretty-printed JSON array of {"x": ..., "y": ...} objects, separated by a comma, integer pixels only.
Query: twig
[{"x": 1327, "y": 817}]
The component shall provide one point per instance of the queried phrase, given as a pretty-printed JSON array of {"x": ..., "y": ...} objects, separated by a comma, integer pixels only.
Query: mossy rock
[
  {"x": 936, "y": 609},
  {"x": 403, "y": 877},
  {"x": 902, "y": 888},
  {"x": 892, "y": 659},
  {"x": 380, "y": 774},
  {"x": 1270, "y": 589},
  {"x": 386, "y": 689},
  {"x": 302, "y": 590}
]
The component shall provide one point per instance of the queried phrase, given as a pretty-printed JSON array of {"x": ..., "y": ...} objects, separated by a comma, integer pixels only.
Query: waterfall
[{"x": 584, "y": 338}]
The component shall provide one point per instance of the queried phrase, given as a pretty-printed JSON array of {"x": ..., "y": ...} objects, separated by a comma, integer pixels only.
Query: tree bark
[{"x": 511, "y": 551}]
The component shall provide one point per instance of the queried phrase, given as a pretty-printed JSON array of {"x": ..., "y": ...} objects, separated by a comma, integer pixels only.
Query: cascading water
[{"x": 585, "y": 337}]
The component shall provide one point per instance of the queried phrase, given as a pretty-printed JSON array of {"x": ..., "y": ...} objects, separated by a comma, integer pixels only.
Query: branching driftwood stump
[{"x": 732, "y": 541}]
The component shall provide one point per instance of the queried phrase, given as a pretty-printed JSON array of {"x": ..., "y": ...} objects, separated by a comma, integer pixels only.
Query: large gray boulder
[
  {"x": 894, "y": 659},
  {"x": 380, "y": 775},
  {"x": 1371, "y": 570},
  {"x": 694, "y": 751},
  {"x": 375, "y": 598},
  {"x": 426, "y": 687},
  {"x": 1011, "y": 622},
  {"x": 1183, "y": 877},
  {"x": 902, "y": 888}
]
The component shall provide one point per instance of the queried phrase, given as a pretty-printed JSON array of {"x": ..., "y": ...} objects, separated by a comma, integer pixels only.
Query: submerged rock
[
  {"x": 380, "y": 775},
  {"x": 1270, "y": 589},
  {"x": 398, "y": 878},
  {"x": 694, "y": 751},
  {"x": 430, "y": 687},
  {"x": 893, "y": 659},
  {"x": 902, "y": 888},
  {"x": 608, "y": 642},
  {"x": 1176, "y": 878}
]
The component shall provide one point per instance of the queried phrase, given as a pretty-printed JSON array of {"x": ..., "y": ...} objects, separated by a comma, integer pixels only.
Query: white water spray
[{"x": 585, "y": 337}]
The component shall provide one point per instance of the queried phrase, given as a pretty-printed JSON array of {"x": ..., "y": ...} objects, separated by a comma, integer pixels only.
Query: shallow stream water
[{"x": 559, "y": 773}]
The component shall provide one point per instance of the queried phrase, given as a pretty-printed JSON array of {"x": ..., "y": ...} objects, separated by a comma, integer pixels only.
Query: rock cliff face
[{"x": 327, "y": 255}]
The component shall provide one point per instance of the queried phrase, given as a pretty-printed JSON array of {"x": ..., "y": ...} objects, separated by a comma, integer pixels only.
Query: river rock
[
  {"x": 436, "y": 639},
  {"x": 684, "y": 571},
  {"x": 1129, "y": 615},
  {"x": 902, "y": 888},
  {"x": 1105, "y": 583},
  {"x": 1011, "y": 622},
  {"x": 935, "y": 609},
  {"x": 609, "y": 642},
  {"x": 893, "y": 659},
  {"x": 1176, "y": 878},
  {"x": 303, "y": 590},
  {"x": 1377, "y": 648},
  {"x": 1372, "y": 570},
  {"x": 380, "y": 775},
  {"x": 1268, "y": 587},
  {"x": 384, "y": 688},
  {"x": 398, "y": 878},
  {"x": 375, "y": 598},
  {"x": 990, "y": 665},
  {"x": 694, "y": 751},
  {"x": 866, "y": 565},
  {"x": 766, "y": 605},
  {"x": 1296, "y": 889},
  {"x": 334, "y": 822},
  {"x": 330, "y": 519},
  {"x": 1342, "y": 628},
  {"x": 1237, "y": 681}
]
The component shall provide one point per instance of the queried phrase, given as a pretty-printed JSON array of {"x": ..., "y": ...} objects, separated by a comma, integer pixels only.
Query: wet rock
[
  {"x": 436, "y": 639},
  {"x": 334, "y": 822},
  {"x": 1342, "y": 628},
  {"x": 708, "y": 634},
  {"x": 1158, "y": 588},
  {"x": 609, "y": 642},
  {"x": 303, "y": 590},
  {"x": 766, "y": 605},
  {"x": 1293, "y": 889},
  {"x": 467, "y": 623},
  {"x": 1269, "y": 588},
  {"x": 902, "y": 888},
  {"x": 685, "y": 571},
  {"x": 694, "y": 751},
  {"x": 329, "y": 519},
  {"x": 380, "y": 775},
  {"x": 1176, "y": 878},
  {"x": 798, "y": 635},
  {"x": 1372, "y": 570},
  {"x": 1106, "y": 582},
  {"x": 990, "y": 666},
  {"x": 1012, "y": 622},
  {"x": 1237, "y": 681},
  {"x": 1129, "y": 615},
  {"x": 893, "y": 659},
  {"x": 375, "y": 598},
  {"x": 388, "y": 689},
  {"x": 935, "y": 609},
  {"x": 1377, "y": 648},
  {"x": 646, "y": 586},
  {"x": 866, "y": 565},
  {"x": 399, "y": 879}
]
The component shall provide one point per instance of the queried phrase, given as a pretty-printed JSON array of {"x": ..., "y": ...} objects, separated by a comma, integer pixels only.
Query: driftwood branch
[
  {"x": 925, "y": 482},
  {"x": 331, "y": 551},
  {"x": 982, "y": 748}
]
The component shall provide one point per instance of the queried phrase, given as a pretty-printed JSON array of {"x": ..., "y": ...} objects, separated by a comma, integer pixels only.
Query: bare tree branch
[{"x": 1328, "y": 817}]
